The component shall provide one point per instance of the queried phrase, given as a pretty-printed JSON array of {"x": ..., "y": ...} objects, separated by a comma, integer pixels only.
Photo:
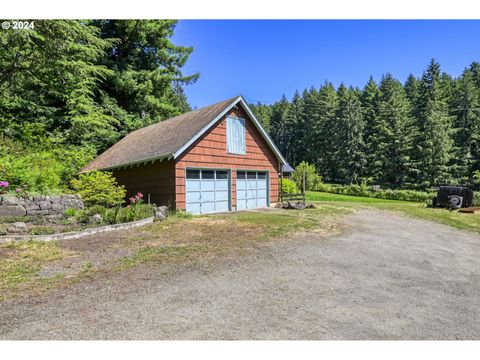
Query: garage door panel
[
  {"x": 221, "y": 205},
  {"x": 251, "y": 194},
  {"x": 193, "y": 196},
  {"x": 193, "y": 208},
  {"x": 262, "y": 193},
  {"x": 221, "y": 195},
  {"x": 241, "y": 204},
  {"x": 208, "y": 185},
  {"x": 251, "y": 203},
  {"x": 208, "y": 207},
  {"x": 221, "y": 185},
  {"x": 241, "y": 184},
  {"x": 193, "y": 185},
  {"x": 241, "y": 194},
  {"x": 208, "y": 196}
]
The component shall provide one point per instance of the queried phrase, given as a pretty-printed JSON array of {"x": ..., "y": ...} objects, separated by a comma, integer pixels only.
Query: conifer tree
[
  {"x": 348, "y": 135},
  {"x": 278, "y": 124},
  {"x": 466, "y": 106},
  {"x": 370, "y": 98},
  {"x": 323, "y": 143},
  {"x": 435, "y": 140},
  {"x": 394, "y": 134}
]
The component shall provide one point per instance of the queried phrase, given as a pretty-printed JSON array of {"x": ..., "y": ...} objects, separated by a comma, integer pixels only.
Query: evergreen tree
[
  {"x": 48, "y": 76},
  {"x": 263, "y": 113},
  {"x": 369, "y": 99},
  {"x": 435, "y": 140},
  {"x": 293, "y": 130},
  {"x": 348, "y": 135},
  {"x": 323, "y": 143},
  {"x": 393, "y": 135},
  {"x": 143, "y": 86},
  {"x": 466, "y": 106},
  {"x": 278, "y": 123}
]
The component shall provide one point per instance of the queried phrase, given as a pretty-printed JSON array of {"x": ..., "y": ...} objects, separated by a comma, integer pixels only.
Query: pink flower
[
  {"x": 18, "y": 190},
  {"x": 139, "y": 195},
  {"x": 4, "y": 184},
  {"x": 128, "y": 206},
  {"x": 132, "y": 200}
]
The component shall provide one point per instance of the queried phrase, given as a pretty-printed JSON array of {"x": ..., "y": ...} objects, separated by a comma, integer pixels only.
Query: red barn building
[{"x": 217, "y": 158}]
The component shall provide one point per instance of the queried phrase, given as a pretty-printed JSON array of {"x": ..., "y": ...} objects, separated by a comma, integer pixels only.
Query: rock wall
[{"x": 38, "y": 205}]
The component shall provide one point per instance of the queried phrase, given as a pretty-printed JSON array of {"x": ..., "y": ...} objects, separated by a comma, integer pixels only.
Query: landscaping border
[{"x": 77, "y": 234}]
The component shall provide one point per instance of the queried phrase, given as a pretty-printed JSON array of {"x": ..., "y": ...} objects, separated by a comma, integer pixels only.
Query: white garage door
[
  {"x": 207, "y": 191},
  {"x": 252, "y": 189}
]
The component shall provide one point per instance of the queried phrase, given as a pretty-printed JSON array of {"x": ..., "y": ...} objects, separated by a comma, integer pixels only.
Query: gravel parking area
[{"x": 385, "y": 277}]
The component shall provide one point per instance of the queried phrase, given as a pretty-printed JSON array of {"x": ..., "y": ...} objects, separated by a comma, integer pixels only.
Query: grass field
[{"x": 418, "y": 210}]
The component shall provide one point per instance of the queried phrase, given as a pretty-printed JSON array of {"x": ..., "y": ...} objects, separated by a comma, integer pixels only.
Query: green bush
[
  {"x": 3, "y": 230},
  {"x": 366, "y": 191},
  {"x": 312, "y": 179},
  {"x": 289, "y": 187},
  {"x": 39, "y": 165},
  {"x": 99, "y": 188}
]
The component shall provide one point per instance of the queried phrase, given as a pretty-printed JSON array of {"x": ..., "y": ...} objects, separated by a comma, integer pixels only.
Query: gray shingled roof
[{"x": 159, "y": 140}]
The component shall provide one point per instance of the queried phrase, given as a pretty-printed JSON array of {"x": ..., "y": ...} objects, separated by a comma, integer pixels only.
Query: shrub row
[{"x": 367, "y": 191}]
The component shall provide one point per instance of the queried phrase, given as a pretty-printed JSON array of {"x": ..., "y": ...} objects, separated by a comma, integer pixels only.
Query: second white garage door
[{"x": 252, "y": 189}]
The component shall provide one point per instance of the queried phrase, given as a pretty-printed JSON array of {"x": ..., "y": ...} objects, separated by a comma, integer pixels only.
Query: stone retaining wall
[{"x": 39, "y": 205}]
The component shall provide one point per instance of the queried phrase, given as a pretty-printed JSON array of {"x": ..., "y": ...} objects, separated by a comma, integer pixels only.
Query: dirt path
[{"x": 386, "y": 277}]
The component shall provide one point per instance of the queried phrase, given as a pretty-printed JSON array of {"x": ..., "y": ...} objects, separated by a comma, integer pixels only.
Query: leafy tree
[{"x": 312, "y": 179}]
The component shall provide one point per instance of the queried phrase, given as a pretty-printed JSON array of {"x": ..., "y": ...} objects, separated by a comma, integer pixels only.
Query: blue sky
[{"x": 264, "y": 59}]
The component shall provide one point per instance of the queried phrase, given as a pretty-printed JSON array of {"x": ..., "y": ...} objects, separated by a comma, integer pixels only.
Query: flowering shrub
[
  {"x": 4, "y": 187},
  {"x": 99, "y": 188}
]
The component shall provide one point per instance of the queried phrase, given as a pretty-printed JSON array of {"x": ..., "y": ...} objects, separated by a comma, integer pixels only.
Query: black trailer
[{"x": 453, "y": 197}]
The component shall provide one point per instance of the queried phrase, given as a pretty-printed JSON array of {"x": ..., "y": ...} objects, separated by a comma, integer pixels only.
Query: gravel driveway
[{"x": 385, "y": 277}]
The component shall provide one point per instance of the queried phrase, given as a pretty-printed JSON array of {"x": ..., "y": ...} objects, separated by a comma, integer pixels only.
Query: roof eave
[{"x": 133, "y": 163}]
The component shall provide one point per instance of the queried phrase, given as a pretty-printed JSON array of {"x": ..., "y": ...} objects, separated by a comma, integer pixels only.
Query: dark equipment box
[{"x": 453, "y": 197}]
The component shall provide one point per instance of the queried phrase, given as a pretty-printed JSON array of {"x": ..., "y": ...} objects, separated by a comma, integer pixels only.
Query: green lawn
[{"x": 418, "y": 210}]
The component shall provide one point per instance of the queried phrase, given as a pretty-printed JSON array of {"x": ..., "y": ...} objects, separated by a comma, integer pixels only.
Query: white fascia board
[{"x": 219, "y": 116}]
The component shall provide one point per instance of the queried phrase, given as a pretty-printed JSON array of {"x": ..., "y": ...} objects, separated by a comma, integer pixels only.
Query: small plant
[
  {"x": 21, "y": 192},
  {"x": 3, "y": 230},
  {"x": 70, "y": 212},
  {"x": 42, "y": 230},
  {"x": 99, "y": 188},
  {"x": 133, "y": 207}
]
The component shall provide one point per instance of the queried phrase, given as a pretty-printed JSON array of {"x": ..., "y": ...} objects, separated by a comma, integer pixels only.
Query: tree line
[{"x": 413, "y": 135}]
